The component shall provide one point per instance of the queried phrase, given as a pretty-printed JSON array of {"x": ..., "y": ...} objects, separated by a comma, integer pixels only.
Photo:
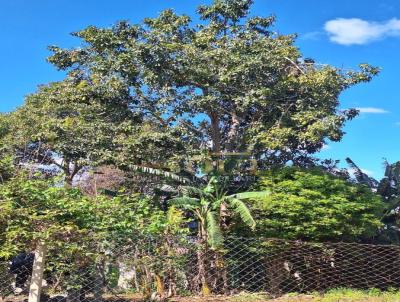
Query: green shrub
[{"x": 314, "y": 205}]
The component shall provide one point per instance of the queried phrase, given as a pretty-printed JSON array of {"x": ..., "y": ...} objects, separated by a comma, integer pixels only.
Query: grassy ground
[{"x": 339, "y": 295}]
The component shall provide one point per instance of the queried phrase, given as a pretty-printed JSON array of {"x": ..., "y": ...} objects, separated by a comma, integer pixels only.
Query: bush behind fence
[{"x": 185, "y": 266}]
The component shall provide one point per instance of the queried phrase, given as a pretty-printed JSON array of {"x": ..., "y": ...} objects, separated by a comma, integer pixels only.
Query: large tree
[
  {"x": 172, "y": 94},
  {"x": 229, "y": 82}
]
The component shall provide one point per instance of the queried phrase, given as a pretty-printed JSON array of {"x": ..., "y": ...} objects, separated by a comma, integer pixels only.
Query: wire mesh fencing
[{"x": 166, "y": 267}]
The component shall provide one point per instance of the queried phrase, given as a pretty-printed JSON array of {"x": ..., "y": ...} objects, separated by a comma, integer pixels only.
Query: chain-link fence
[{"x": 167, "y": 267}]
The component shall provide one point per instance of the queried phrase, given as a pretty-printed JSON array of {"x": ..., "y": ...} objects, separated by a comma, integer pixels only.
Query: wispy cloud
[
  {"x": 372, "y": 110},
  {"x": 397, "y": 124},
  {"x": 358, "y": 31},
  {"x": 313, "y": 35}
]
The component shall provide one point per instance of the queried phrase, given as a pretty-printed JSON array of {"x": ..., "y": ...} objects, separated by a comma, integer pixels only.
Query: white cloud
[
  {"x": 372, "y": 110},
  {"x": 358, "y": 31}
]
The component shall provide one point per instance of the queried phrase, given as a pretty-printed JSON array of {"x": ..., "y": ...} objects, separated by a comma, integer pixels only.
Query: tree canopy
[{"x": 226, "y": 84}]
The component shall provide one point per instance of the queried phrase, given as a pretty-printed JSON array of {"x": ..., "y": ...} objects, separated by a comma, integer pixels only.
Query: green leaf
[
  {"x": 184, "y": 202},
  {"x": 214, "y": 233},
  {"x": 251, "y": 195},
  {"x": 243, "y": 211},
  {"x": 190, "y": 191}
]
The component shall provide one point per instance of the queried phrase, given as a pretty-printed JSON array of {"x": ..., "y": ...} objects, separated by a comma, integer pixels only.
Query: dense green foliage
[
  {"x": 312, "y": 204},
  {"x": 38, "y": 209}
]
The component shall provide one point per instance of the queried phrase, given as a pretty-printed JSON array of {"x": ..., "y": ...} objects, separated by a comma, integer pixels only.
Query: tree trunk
[
  {"x": 233, "y": 133},
  {"x": 68, "y": 182},
  {"x": 223, "y": 214},
  {"x": 147, "y": 280},
  {"x": 215, "y": 133},
  {"x": 221, "y": 273},
  {"x": 70, "y": 170},
  {"x": 35, "y": 289},
  {"x": 276, "y": 276},
  {"x": 160, "y": 286},
  {"x": 205, "y": 289},
  {"x": 201, "y": 260},
  {"x": 98, "y": 286},
  {"x": 216, "y": 140}
]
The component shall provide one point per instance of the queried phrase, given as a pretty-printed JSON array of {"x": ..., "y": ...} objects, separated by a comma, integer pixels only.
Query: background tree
[
  {"x": 68, "y": 125},
  {"x": 75, "y": 125},
  {"x": 170, "y": 96},
  {"x": 6, "y": 157}
]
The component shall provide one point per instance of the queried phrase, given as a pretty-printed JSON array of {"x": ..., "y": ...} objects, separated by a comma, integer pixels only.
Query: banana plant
[
  {"x": 211, "y": 205},
  {"x": 389, "y": 189},
  {"x": 361, "y": 177}
]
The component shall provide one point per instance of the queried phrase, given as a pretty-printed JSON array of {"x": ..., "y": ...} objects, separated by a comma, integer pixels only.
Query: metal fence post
[{"x": 35, "y": 289}]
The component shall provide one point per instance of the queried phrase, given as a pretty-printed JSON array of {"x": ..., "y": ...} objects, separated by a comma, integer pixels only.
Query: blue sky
[{"x": 342, "y": 32}]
